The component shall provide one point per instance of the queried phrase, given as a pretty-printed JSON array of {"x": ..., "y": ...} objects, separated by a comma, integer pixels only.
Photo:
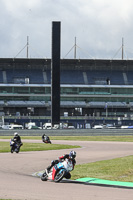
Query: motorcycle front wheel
[
  {"x": 12, "y": 150},
  {"x": 59, "y": 176},
  {"x": 44, "y": 176}
]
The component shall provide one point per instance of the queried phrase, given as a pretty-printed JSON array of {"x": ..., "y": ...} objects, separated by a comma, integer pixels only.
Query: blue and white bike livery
[{"x": 59, "y": 171}]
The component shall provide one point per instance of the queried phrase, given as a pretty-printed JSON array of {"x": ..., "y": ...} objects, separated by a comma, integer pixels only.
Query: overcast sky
[{"x": 98, "y": 25}]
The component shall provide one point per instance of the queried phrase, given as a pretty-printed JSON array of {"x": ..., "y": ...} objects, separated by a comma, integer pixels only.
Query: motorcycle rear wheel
[
  {"x": 59, "y": 176},
  {"x": 17, "y": 150},
  {"x": 44, "y": 176}
]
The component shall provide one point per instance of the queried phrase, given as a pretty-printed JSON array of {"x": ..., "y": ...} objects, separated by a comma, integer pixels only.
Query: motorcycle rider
[
  {"x": 45, "y": 138},
  {"x": 17, "y": 139},
  {"x": 71, "y": 158}
]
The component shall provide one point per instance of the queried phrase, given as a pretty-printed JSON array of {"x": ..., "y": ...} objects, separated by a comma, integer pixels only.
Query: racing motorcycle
[
  {"x": 15, "y": 147},
  {"x": 46, "y": 139},
  {"x": 58, "y": 171}
]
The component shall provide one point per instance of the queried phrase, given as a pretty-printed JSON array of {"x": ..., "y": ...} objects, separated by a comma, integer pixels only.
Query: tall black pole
[{"x": 55, "y": 74}]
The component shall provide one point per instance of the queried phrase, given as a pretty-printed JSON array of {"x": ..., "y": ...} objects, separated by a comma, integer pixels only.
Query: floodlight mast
[
  {"x": 75, "y": 49},
  {"x": 27, "y": 46},
  {"x": 122, "y": 48}
]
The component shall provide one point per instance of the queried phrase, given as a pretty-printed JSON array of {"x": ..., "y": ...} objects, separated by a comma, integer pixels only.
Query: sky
[{"x": 98, "y": 27}]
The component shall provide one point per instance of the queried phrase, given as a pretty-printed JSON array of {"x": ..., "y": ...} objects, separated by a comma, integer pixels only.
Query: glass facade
[{"x": 70, "y": 93}]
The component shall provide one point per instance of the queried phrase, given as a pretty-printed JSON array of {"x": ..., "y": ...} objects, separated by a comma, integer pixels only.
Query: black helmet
[{"x": 72, "y": 154}]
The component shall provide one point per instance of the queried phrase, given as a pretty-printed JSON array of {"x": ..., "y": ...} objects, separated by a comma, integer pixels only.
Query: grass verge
[
  {"x": 94, "y": 138},
  {"x": 120, "y": 169},
  {"x": 127, "y": 138},
  {"x": 5, "y": 147}
]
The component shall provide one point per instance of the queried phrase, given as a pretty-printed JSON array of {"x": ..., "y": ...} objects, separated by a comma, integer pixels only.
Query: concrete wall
[{"x": 75, "y": 132}]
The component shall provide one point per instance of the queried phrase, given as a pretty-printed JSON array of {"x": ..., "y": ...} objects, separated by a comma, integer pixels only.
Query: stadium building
[{"x": 90, "y": 90}]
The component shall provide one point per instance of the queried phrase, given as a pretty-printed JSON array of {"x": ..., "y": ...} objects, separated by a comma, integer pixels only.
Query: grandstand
[{"x": 89, "y": 88}]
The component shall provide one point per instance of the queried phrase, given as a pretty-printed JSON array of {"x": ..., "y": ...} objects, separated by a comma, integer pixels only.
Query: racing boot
[{"x": 48, "y": 169}]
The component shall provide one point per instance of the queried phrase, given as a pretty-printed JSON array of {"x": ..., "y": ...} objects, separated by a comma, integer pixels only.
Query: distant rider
[
  {"x": 71, "y": 158},
  {"x": 45, "y": 138}
]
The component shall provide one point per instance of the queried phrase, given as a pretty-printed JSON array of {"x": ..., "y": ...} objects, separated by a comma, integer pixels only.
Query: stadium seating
[
  {"x": 67, "y": 77},
  {"x": 1, "y": 77},
  {"x": 18, "y": 76},
  {"x": 100, "y": 77},
  {"x": 72, "y": 77},
  {"x": 129, "y": 78}
]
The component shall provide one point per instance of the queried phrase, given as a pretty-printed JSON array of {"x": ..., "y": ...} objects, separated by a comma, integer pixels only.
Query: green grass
[
  {"x": 120, "y": 169},
  {"x": 5, "y": 147},
  {"x": 94, "y": 138},
  {"x": 127, "y": 138}
]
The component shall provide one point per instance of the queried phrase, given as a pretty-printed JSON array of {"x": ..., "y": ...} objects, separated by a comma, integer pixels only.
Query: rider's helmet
[
  {"x": 72, "y": 155},
  {"x": 15, "y": 134}
]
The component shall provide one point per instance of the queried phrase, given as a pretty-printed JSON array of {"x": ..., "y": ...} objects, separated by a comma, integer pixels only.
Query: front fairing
[
  {"x": 12, "y": 143},
  {"x": 68, "y": 165}
]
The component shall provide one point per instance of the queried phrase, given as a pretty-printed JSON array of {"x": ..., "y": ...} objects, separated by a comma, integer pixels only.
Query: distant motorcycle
[
  {"x": 46, "y": 139},
  {"x": 15, "y": 147},
  {"x": 58, "y": 172}
]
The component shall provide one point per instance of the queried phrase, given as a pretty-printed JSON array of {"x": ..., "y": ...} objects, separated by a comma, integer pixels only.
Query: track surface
[{"x": 16, "y": 181}]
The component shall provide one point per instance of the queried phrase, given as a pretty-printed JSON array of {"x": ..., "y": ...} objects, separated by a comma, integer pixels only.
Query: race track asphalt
[{"x": 17, "y": 182}]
